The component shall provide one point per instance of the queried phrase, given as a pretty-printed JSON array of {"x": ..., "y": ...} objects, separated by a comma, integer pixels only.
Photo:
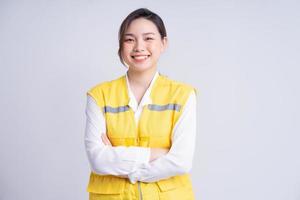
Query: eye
[
  {"x": 149, "y": 38},
  {"x": 128, "y": 40}
]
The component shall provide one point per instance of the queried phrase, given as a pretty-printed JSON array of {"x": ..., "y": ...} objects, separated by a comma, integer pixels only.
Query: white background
[{"x": 243, "y": 56}]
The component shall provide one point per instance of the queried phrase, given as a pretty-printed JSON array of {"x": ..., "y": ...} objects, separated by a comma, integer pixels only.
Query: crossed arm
[
  {"x": 140, "y": 163},
  {"x": 154, "y": 152}
]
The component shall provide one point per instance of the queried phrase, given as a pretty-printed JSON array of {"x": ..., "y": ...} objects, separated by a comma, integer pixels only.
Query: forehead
[{"x": 141, "y": 26}]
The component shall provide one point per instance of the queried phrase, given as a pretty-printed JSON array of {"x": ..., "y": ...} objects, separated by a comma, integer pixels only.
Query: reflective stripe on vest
[
  {"x": 170, "y": 106},
  {"x": 155, "y": 107},
  {"x": 109, "y": 109}
]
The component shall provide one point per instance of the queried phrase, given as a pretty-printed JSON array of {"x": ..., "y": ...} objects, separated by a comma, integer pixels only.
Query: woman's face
[{"x": 142, "y": 45}]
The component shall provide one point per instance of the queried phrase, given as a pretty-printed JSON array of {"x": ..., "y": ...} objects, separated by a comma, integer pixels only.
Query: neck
[{"x": 141, "y": 78}]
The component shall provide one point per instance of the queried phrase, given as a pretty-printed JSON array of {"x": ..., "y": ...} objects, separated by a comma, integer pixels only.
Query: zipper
[
  {"x": 138, "y": 124},
  {"x": 138, "y": 140},
  {"x": 140, "y": 191}
]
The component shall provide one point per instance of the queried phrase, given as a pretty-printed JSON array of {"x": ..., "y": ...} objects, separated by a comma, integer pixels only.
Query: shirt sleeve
[
  {"x": 105, "y": 159},
  {"x": 180, "y": 157}
]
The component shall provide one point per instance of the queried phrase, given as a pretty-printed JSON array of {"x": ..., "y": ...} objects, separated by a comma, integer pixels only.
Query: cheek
[
  {"x": 123, "y": 54},
  {"x": 156, "y": 46},
  {"x": 155, "y": 49},
  {"x": 127, "y": 48}
]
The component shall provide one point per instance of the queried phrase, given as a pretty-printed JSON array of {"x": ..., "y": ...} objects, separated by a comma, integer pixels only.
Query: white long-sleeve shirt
[{"x": 134, "y": 161}]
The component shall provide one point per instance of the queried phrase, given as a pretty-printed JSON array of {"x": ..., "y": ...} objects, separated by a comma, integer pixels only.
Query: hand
[
  {"x": 157, "y": 152},
  {"x": 105, "y": 139}
]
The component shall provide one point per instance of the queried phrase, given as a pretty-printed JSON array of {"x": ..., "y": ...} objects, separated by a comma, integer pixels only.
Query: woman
[{"x": 140, "y": 131}]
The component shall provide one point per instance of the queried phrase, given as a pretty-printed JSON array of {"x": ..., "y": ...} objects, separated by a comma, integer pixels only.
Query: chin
[{"x": 140, "y": 68}]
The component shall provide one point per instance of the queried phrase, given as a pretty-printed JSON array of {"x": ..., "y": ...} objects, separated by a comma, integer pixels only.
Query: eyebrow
[{"x": 130, "y": 34}]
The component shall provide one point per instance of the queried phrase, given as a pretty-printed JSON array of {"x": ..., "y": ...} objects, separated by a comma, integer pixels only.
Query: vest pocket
[
  {"x": 106, "y": 184},
  {"x": 169, "y": 184},
  {"x": 177, "y": 187},
  {"x": 174, "y": 182}
]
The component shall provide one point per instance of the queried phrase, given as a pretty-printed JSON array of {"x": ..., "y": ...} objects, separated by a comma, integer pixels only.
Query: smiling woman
[
  {"x": 141, "y": 127},
  {"x": 141, "y": 49}
]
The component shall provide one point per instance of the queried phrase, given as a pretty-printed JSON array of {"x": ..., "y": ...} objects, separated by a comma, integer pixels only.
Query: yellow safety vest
[{"x": 154, "y": 130}]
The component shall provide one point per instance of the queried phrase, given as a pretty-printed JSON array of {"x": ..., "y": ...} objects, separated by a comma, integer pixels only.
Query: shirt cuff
[
  {"x": 136, "y": 175},
  {"x": 132, "y": 177},
  {"x": 142, "y": 158}
]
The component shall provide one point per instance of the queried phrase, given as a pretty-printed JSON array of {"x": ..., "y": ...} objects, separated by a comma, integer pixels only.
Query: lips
[{"x": 140, "y": 57}]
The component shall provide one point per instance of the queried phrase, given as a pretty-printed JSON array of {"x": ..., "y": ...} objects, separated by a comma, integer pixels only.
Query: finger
[
  {"x": 108, "y": 141},
  {"x": 102, "y": 138},
  {"x": 105, "y": 139}
]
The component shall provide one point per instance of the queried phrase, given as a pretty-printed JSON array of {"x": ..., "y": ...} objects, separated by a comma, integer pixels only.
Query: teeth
[{"x": 140, "y": 57}]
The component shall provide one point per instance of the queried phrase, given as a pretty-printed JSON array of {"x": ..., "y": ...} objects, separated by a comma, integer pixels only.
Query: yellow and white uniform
[{"x": 154, "y": 129}]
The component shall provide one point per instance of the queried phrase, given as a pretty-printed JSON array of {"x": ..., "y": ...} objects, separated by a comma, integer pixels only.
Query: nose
[{"x": 139, "y": 46}]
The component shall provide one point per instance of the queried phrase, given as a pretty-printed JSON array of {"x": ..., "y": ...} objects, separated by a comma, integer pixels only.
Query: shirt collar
[{"x": 146, "y": 99}]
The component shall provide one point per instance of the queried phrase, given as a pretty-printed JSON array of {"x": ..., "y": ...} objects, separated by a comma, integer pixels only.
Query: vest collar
[{"x": 146, "y": 99}]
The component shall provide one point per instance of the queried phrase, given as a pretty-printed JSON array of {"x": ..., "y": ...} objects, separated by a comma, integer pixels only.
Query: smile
[{"x": 140, "y": 57}]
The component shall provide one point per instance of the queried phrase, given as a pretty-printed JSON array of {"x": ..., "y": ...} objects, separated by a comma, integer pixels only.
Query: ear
[{"x": 165, "y": 44}]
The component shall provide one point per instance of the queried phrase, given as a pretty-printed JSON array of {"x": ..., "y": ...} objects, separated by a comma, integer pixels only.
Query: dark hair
[{"x": 140, "y": 13}]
